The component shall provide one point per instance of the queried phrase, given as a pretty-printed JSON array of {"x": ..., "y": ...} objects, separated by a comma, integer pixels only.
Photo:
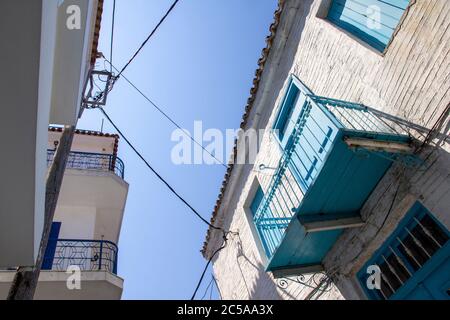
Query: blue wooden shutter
[
  {"x": 356, "y": 16},
  {"x": 414, "y": 260}
]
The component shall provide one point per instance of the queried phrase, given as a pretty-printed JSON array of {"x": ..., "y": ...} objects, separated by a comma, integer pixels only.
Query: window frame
[{"x": 286, "y": 105}]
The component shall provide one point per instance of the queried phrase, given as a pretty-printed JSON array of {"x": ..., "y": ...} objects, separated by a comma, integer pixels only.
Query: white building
[
  {"x": 87, "y": 222},
  {"x": 350, "y": 183},
  {"x": 48, "y": 48}
]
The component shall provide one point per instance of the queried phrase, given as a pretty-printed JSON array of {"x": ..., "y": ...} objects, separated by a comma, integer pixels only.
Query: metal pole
[{"x": 25, "y": 280}]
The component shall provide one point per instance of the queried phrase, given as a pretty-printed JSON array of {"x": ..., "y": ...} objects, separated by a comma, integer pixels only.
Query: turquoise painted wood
[
  {"x": 340, "y": 189},
  {"x": 318, "y": 174},
  {"x": 373, "y": 21}
]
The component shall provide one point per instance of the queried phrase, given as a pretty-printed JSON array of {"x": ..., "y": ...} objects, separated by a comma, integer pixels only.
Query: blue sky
[{"x": 199, "y": 66}]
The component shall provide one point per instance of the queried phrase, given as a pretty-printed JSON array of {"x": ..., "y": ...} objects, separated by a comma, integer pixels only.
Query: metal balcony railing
[
  {"x": 356, "y": 116},
  {"x": 91, "y": 161},
  {"x": 88, "y": 255},
  {"x": 304, "y": 155}
]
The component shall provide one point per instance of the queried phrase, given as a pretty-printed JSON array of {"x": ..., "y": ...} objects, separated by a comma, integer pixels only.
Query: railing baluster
[
  {"x": 101, "y": 256},
  {"x": 91, "y": 161},
  {"x": 89, "y": 255}
]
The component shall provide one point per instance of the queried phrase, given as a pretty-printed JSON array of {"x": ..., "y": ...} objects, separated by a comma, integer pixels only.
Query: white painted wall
[
  {"x": 85, "y": 143},
  {"x": 78, "y": 222},
  {"x": 91, "y": 203},
  {"x": 411, "y": 81},
  {"x": 24, "y": 112}
]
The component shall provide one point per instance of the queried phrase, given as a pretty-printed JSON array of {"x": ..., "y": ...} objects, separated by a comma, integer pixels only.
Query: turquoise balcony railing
[{"x": 333, "y": 155}]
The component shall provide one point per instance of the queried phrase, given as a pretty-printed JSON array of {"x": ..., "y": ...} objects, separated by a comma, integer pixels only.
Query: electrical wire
[
  {"x": 120, "y": 74},
  {"x": 148, "y": 38},
  {"x": 167, "y": 116},
  {"x": 207, "y": 288},
  {"x": 164, "y": 181}
]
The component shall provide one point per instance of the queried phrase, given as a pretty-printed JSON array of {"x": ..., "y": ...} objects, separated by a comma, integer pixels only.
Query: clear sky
[{"x": 199, "y": 66}]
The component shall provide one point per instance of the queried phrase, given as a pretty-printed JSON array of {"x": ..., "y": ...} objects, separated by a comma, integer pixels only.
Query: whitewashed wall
[{"x": 411, "y": 80}]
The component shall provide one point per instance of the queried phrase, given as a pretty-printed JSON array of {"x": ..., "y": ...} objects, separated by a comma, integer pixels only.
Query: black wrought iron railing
[
  {"x": 92, "y": 161},
  {"x": 88, "y": 255}
]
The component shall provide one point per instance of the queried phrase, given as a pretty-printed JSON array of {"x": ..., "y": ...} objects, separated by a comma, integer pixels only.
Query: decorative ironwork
[
  {"x": 92, "y": 161},
  {"x": 317, "y": 281},
  {"x": 295, "y": 172},
  {"x": 88, "y": 255}
]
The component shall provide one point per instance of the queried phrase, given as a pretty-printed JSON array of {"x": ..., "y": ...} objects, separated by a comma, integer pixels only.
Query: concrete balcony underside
[{"x": 52, "y": 285}]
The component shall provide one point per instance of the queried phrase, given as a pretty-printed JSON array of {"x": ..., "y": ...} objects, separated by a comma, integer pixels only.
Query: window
[
  {"x": 314, "y": 129},
  {"x": 257, "y": 199},
  {"x": 373, "y": 21},
  {"x": 413, "y": 260},
  {"x": 253, "y": 206}
]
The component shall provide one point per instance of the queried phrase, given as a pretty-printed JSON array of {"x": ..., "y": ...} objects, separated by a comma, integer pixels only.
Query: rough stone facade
[{"x": 410, "y": 79}]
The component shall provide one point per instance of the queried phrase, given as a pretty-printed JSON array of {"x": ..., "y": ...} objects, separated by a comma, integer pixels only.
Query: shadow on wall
[{"x": 260, "y": 285}]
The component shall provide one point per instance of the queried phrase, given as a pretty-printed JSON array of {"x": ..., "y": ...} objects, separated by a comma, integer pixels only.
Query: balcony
[
  {"x": 88, "y": 255},
  {"x": 92, "y": 162},
  {"x": 333, "y": 154}
]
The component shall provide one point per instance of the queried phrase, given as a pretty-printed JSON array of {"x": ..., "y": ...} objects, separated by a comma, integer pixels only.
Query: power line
[
  {"x": 148, "y": 38},
  {"x": 225, "y": 233},
  {"x": 167, "y": 116},
  {"x": 225, "y": 239},
  {"x": 157, "y": 174}
]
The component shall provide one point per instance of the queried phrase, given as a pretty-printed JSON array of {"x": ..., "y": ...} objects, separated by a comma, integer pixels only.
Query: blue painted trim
[
  {"x": 418, "y": 210},
  {"x": 352, "y": 16},
  {"x": 49, "y": 255},
  {"x": 437, "y": 259}
]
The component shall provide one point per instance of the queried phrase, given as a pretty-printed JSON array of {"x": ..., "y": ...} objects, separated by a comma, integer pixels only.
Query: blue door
[
  {"x": 51, "y": 246},
  {"x": 414, "y": 261}
]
